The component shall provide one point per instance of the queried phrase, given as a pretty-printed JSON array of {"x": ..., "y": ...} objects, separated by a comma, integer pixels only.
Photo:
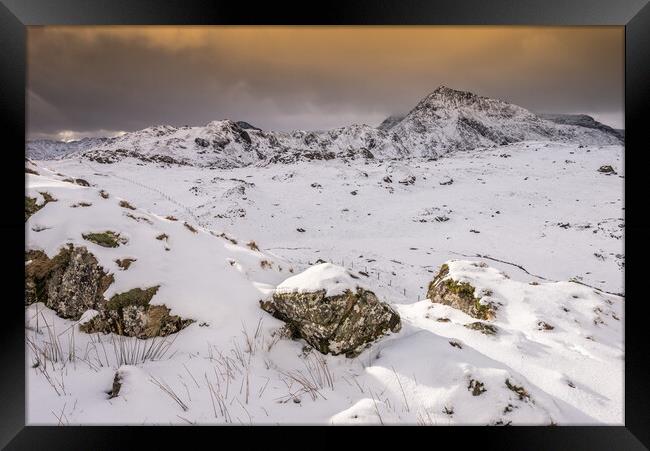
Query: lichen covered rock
[
  {"x": 340, "y": 320},
  {"x": 105, "y": 239},
  {"x": 484, "y": 328},
  {"x": 69, "y": 283},
  {"x": 443, "y": 289},
  {"x": 130, "y": 314}
]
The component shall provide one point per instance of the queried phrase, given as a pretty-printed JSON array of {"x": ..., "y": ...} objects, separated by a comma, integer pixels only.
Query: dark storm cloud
[{"x": 85, "y": 80}]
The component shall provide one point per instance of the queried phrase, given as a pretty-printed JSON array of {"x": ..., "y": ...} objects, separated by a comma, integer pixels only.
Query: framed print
[{"x": 378, "y": 213}]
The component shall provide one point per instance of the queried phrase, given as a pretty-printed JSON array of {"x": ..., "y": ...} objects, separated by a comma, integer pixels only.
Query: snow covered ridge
[
  {"x": 446, "y": 120},
  {"x": 582, "y": 120},
  {"x": 46, "y": 149},
  {"x": 552, "y": 353}
]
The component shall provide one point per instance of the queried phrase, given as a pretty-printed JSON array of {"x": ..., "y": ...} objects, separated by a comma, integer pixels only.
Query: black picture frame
[{"x": 634, "y": 15}]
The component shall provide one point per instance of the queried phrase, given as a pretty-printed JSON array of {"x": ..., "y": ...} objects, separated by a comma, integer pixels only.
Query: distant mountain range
[
  {"x": 446, "y": 120},
  {"x": 47, "y": 149}
]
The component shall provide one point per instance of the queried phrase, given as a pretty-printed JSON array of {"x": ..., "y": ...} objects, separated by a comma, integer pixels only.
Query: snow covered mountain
[
  {"x": 225, "y": 144},
  {"x": 444, "y": 121},
  {"x": 448, "y": 120}
]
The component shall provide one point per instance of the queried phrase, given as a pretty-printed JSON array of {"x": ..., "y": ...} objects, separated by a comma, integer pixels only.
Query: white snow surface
[
  {"x": 334, "y": 279},
  {"x": 532, "y": 226}
]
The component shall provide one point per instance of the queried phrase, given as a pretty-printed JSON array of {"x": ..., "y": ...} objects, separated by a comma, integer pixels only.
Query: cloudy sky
[{"x": 89, "y": 81}]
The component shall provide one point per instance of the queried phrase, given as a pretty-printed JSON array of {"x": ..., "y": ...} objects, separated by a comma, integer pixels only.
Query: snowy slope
[
  {"x": 531, "y": 203},
  {"x": 540, "y": 205},
  {"x": 202, "y": 257}
]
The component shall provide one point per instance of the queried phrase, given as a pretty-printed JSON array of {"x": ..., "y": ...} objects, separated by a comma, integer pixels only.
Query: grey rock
[
  {"x": 342, "y": 324},
  {"x": 69, "y": 283}
]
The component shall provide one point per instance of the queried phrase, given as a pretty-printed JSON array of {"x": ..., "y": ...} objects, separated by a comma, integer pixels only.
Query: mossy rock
[
  {"x": 342, "y": 324},
  {"x": 484, "y": 328},
  {"x": 136, "y": 296},
  {"x": 105, "y": 239},
  {"x": 457, "y": 294},
  {"x": 70, "y": 283},
  {"x": 130, "y": 314}
]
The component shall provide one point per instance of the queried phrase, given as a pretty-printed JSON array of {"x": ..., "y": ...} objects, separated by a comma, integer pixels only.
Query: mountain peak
[
  {"x": 442, "y": 89},
  {"x": 443, "y": 92}
]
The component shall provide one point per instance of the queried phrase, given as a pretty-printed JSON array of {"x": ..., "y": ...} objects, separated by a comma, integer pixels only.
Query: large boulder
[
  {"x": 461, "y": 295},
  {"x": 69, "y": 283},
  {"x": 326, "y": 307}
]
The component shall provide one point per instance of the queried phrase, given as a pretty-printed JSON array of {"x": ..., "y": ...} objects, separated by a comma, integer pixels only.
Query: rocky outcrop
[
  {"x": 72, "y": 282},
  {"x": 69, "y": 283},
  {"x": 202, "y": 142},
  {"x": 443, "y": 289},
  {"x": 342, "y": 323}
]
